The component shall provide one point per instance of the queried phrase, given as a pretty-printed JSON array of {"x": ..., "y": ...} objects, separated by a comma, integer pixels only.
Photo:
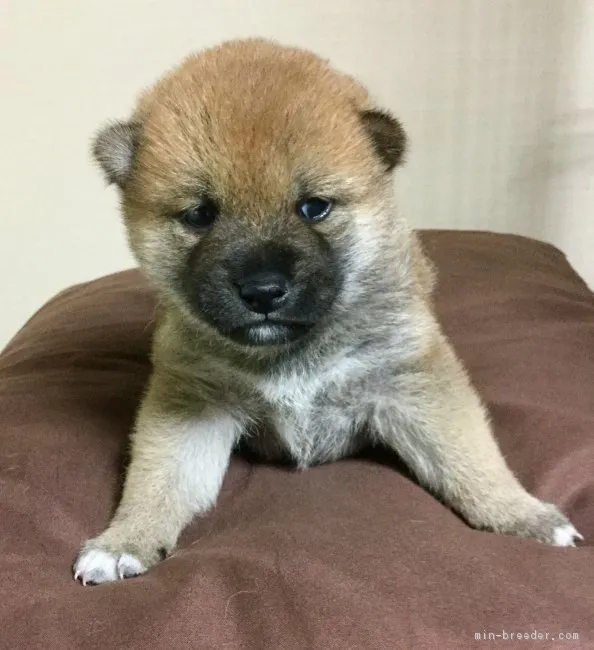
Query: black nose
[{"x": 264, "y": 292}]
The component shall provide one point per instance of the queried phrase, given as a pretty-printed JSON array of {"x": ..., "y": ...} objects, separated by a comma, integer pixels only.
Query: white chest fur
[{"x": 306, "y": 410}]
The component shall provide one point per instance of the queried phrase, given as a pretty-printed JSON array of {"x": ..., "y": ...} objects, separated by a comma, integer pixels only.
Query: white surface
[{"x": 497, "y": 98}]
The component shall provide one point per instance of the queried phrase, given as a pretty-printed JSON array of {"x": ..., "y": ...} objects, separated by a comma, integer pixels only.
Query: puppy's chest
[{"x": 311, "y": 416}]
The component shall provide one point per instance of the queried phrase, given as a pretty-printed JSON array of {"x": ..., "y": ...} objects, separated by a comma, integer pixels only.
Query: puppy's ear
[
  {"x": 387, "y": 136},
  {"x": 114, "y": 147}
]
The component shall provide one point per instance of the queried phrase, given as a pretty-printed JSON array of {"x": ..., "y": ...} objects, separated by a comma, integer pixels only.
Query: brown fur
[{"x": 257, "y": 118}]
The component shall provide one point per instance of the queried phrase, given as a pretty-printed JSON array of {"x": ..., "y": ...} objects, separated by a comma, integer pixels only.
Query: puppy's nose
[{"x": 264, "y": 292}]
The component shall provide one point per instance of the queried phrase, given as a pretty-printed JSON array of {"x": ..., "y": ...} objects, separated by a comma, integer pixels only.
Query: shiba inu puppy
[{"x": 256, "y": 191}]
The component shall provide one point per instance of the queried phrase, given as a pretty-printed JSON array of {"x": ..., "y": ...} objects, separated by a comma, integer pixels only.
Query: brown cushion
[{"x": 349, "y": 555}]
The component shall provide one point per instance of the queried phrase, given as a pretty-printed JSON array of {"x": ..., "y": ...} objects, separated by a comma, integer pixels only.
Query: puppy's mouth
[{"x": 269, "y": 331}]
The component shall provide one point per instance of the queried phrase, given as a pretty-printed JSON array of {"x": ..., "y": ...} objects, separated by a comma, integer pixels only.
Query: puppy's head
[{"x": 254, "y": 181}]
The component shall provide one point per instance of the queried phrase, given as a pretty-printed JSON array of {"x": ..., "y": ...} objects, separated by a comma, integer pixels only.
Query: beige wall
[
  {"x": 569, "y": 147},
  {"x": 496, "y": 96}
]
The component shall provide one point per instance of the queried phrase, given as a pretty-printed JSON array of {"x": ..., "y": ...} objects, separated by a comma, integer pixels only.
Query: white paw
[
  {"x": 566, "y": 535},
  {"x": 95, "y": 566}
]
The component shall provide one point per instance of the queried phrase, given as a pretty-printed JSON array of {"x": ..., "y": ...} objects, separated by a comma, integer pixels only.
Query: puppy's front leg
[
  {"x": 179, "y": 458},
  {"x": 435, "y": 421}
]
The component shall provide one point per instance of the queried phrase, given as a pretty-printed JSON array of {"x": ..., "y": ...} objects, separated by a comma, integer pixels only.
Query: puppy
[{"x": 256, "y": 192}]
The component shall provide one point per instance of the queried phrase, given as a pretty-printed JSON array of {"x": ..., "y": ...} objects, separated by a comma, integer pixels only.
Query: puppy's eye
[
  {"x": 201, "y": 216},
  {"x": 314, "y": 209}
]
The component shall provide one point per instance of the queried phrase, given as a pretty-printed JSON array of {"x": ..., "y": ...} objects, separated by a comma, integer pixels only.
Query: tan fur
[
  {"x": 256, "y": 126},
  {"x": 320, "y": 136}
]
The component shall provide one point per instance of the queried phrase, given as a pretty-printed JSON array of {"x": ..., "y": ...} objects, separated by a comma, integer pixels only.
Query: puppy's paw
[
  {"x": 546, "y": 524},
  {"x": 95, "y": 565},
  {"x": 566, "y": 535},
  {"x": 102, "y": 562}
]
